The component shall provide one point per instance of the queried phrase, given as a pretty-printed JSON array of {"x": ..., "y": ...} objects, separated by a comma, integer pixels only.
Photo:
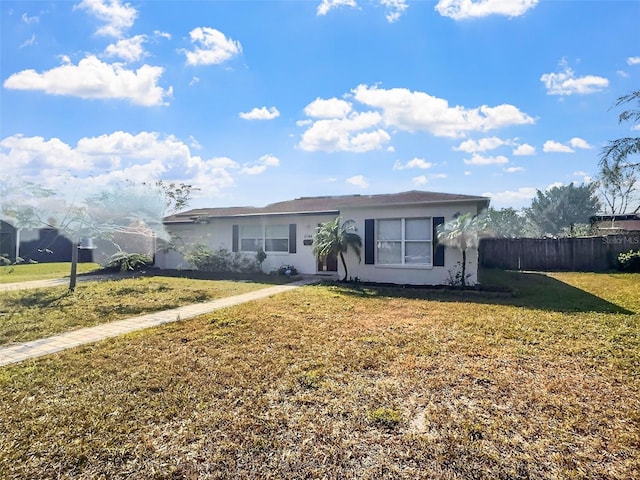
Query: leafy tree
[
  {"x": 336, "y": 237},
  {"x": 177, "y": 195},
  {"x": 619, "y": 171},
  {"x": 617, "y": 187},
  {"x": 562, "y": 207},
  {"x": 506, "y": 223},
  {"x": 121, "y": 209},
  {"x": 463, "y": 232}
]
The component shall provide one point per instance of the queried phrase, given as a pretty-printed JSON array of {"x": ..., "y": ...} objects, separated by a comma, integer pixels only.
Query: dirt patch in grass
[
  {"x": 31, "y": 314},
  {"x": 322, "y": 382}
]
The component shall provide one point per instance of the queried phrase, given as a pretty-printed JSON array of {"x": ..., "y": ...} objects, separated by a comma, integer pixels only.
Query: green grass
[
  {"x": 41, "y": 271},
  {"x": 31, "y": 314},
  {"x": 341, "y": 381}
]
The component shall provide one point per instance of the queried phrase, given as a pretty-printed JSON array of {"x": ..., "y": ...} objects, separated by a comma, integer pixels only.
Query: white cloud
[
  {"x": 482, "y": 145},
  {"x": 263, "y": 113},
  {"x": 395, "y": 9},
  {"x": 261, "y": 165},
  {"x": 29, "y": 42},
  {"x": 194, "y": 80},
  {"x": 346, "y": 135},
  {"x": 129, "y": 49},
  {"x": 439, "y": 175},
  {"x": 119, "y": 156},
  {"x": 551, "y": 146},
  {"x": 327, "y": 5},
  {"x": 514, "y": 169},
  {"x": 92, "y": 78},
  {"x": 480, "y": 160},
  {"x": 566, "y": 83},
  {"x": 577, "y": 142},
  {"x": 162, "y": 34},
  {"x": 117, "y": 16},
  {"x": 633, "y": 61},
  {"x": 28, "y": 20},
  {"x": 622, "y": 73},
  {"x": 411, "y": 111},
  {"x": 524, "y": 150},
  {"x": 461, "y": 9},
  {"x": 358, "y": 181},
  {"x": 512, "y": 197},
  {"x": 636, "y": 127},
  {"x": 212, "y": 47},
  {"x": 194, "y": 143},
  {"x": 554, "y": 185},
  {"x": 331, "y": 108},
  {"x": 415, "y": 163},
  {"x": 467, "y": 172},
  {"x": 420, "y": 180}
]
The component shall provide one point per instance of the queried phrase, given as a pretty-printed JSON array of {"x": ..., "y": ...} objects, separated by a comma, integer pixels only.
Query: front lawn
[
  {"x": 340, "y": 381},
  {"x": 31, "y": 314},
  {"x": 41, "y": 271}
]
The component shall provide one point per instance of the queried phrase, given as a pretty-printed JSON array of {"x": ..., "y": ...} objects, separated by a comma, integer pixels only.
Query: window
[
  {"x": 404, "y": 241},
  {"x": 251, "y": 238},
  {"x": 270, "y": 238},
  {"x": 276, "y": 238}
]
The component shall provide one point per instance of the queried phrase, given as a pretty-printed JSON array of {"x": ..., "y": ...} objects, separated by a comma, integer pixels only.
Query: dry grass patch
[
  {"x": 339, "y": 382},
  {"x": 31, "y": 314}
]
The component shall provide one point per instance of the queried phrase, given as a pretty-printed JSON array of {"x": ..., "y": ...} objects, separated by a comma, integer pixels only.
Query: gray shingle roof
[{"x": 327, "y": 204}]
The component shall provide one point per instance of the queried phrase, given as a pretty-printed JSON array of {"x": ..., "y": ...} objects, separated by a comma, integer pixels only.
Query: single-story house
[{"x": 397, "y": 232}]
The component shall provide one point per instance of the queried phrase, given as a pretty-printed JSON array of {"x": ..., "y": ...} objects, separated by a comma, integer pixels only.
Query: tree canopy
[
  {"x": 619, "y": 164},
  {"x": 124, "y": 208},
  {"x": 554, "y": 211}
]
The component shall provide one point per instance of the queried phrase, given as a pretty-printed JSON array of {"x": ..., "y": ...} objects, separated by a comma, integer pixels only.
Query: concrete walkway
[{"x": 22, "y": 351}]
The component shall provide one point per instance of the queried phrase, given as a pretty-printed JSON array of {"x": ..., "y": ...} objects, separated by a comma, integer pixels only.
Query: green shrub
[
  {"x": 220, "y": 261},
  {"x": 127, "y": 262},
  {"x": 629, "y": 262}
]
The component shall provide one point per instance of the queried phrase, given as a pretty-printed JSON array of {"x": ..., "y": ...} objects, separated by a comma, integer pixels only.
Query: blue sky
[{"x": 254, "y": 102}]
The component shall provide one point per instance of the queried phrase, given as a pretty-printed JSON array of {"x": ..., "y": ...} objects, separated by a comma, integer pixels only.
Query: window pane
[
  {"x": 250, "y": 231},
  {"x": 250, "y": 244},
  {"x": 276, "y": 231},
  {"x": 389, "y": 229},
  {"x": 418, "y": 229},
  {"x": 389, "y": 252},
  {"x": 417, "y": 252},
  {"x": 277, "y": 245}
]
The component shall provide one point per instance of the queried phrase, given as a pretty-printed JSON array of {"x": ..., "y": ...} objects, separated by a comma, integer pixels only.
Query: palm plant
[
  {"x": 335, "y": 237},
  {"x": 463, "y": 232}
]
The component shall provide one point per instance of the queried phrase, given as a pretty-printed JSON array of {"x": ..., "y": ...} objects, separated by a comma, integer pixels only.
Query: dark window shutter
[
  {"x": 292, "y": 238},
  {"x": 438, "y": 250},
  {"x": 369, "y": 241},
  {"x": 234, "y": 238}
]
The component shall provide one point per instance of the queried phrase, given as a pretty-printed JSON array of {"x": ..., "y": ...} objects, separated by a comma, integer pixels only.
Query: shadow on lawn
[{"x": 530, "y": 290}]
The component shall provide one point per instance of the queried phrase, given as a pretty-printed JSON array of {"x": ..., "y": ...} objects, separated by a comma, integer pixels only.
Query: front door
[{"x": 330, "y": 264}]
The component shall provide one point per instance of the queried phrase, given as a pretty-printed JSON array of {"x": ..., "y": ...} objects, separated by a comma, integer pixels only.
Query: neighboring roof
[
  {"x": 327, "y": 204},
  {"x": 629, "y": 221}
]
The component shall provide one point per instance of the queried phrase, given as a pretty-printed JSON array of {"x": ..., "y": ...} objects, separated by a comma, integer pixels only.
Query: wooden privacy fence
[{"x": 586, "y": 254}]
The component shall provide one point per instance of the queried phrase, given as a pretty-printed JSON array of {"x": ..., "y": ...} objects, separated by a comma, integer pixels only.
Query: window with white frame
[
  {"x": 270, "y": 238},
  {"x": 251, "y": 238},
  {"x": 404, "y": 241},
  {"x": 276, "y": 238}
]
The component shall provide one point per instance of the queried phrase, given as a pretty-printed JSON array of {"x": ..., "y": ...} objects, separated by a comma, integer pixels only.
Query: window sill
[{"x": 405, "y": 266}]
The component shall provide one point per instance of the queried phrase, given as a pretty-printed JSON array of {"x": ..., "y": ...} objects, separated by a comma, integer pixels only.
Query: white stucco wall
[
  {"x": 218, "y": 234},
  {"x": 404, "y": 274}
]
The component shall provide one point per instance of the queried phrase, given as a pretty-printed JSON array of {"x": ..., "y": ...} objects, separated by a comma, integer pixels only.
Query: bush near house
[
  {"x": 629, "y": 262},
  {"x": 221, "y": 260}
]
